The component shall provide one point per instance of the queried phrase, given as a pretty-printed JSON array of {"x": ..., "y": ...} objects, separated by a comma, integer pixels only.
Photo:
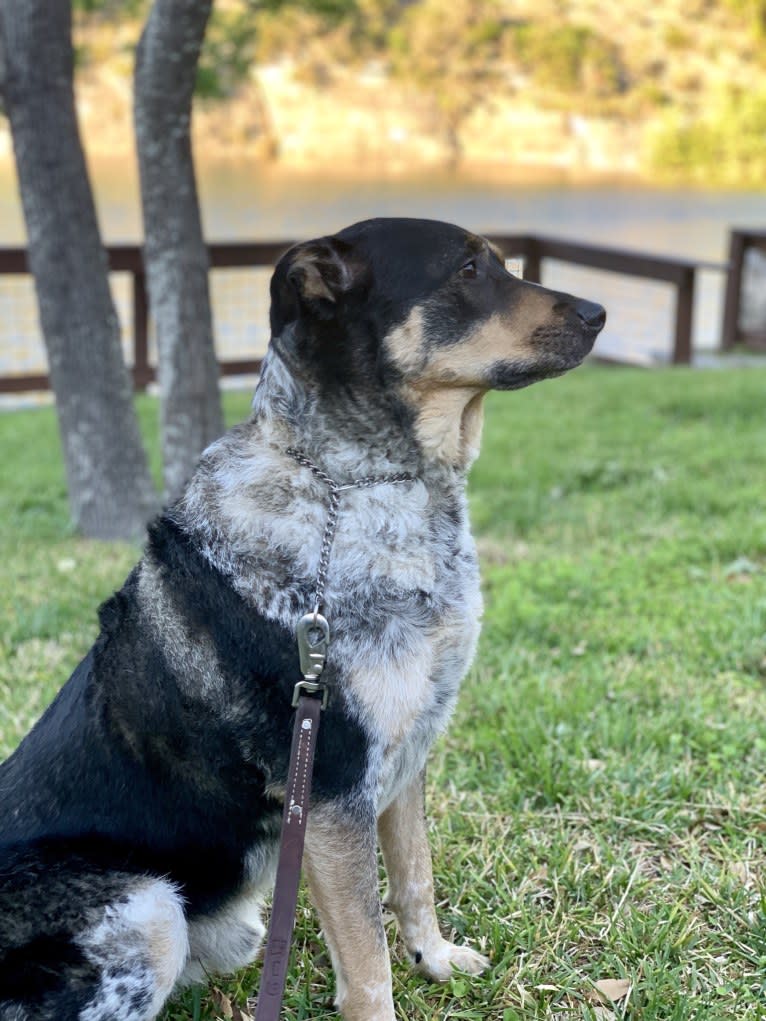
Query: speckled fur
[
  {"x": 140, "y": 817},
  {"x": 402, "y": 590}
]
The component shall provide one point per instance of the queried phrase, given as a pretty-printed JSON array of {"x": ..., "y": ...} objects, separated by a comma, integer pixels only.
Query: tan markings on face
[
  {"x": 498, "y": 338},
  {"x": 342, "y": 876},
  {"x": 471, "y": 424},
  {"x": 405, "y": 343},
  {"x": 449, "y": 421},
  {"x": 446, "y": 385}
]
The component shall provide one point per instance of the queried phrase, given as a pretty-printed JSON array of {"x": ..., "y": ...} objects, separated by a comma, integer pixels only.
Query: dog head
[{"x": 423, "y": 313}]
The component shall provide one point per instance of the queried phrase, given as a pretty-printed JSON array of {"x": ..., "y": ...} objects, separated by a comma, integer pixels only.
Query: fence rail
[
  {"x": 129, "y": 259},
  {"x": 679, "y": 273}
]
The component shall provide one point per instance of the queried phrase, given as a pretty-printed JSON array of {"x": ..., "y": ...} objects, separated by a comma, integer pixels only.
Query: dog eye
[{"x": 470, "y": 270}]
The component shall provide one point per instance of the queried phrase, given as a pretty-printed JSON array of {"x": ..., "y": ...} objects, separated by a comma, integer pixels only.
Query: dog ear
[
  {"x": 322, "y": 270},
  {"x": 313, "y": 277}
]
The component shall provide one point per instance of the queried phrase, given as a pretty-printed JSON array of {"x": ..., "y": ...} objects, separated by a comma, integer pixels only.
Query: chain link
[
  {"x": 324, "y": 553},
  {"x": 332, "y": 514}
]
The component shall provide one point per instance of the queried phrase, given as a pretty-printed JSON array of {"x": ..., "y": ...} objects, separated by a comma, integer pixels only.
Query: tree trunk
[
  {"x": 110, "y": 489},
  {"x": 175, "y": 253}
]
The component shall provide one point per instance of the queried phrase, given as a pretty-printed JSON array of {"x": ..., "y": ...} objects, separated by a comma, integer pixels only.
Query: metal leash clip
[{"x": 313, "y": 634}]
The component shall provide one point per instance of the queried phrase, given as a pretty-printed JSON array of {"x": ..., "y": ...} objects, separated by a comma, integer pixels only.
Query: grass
[{"x": 598, "y": 807}]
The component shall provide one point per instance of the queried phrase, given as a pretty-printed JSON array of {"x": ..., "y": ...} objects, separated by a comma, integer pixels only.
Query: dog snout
[{"x": 591, "y": 315}]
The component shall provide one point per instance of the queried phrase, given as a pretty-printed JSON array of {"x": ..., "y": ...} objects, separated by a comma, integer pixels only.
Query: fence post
[
  {"x": 532, "y": 260},
  {"x": 730, "y": 324},
  {"x": 141, "y": 372},
  {"x": 682, "y": 344}
]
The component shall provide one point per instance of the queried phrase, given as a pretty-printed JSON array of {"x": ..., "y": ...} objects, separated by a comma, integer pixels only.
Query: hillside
[{"x": 370, "y": 86}]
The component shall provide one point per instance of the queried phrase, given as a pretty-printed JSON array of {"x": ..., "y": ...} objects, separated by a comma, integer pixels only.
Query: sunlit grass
[{"x": 598, "y": 806}]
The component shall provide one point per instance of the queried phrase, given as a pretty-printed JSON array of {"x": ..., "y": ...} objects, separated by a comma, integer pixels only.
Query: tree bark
[
  {"x": 175, "y": 253},
  {"x": 110, "y": 489}
]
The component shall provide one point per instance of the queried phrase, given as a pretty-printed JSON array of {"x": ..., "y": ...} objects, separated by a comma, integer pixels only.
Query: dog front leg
[
  {"x": 407, "y": 856},
  {"x": 341, "y": 869}
]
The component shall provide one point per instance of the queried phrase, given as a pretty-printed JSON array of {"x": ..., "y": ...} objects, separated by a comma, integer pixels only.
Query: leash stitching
[{"x": 303, "y": 758}]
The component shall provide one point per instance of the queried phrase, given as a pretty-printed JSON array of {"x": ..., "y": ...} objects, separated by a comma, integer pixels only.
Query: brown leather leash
[
  {"x": 310, "y": 697},
  {"x": 294, "y": 821}
]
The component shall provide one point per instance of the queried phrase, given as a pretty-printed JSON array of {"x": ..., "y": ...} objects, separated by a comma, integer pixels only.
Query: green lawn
[{"x": 599, "y": 805}]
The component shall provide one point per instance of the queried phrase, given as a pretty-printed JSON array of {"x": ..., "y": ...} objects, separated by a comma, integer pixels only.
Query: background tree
[
  {"x": 110, "y": 489},
  {"x": 451, "y": 52},
  {"x": 175, "y": 254}
]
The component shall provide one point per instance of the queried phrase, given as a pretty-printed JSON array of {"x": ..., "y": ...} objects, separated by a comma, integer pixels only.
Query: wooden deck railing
[
  {"x": 129, "y": 259},
  {"x": 679, "y": 273}
]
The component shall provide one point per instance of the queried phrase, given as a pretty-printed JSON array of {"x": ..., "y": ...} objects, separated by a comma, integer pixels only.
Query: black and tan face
[
  {"x": 483, "y": 327},
  {"x": 426, "y": 310}
]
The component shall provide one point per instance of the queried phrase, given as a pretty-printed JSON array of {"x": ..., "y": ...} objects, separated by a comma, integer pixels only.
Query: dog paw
[{"x": 439, "y": 961}]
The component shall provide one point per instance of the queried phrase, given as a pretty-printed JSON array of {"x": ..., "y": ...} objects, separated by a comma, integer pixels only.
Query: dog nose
[{"x": 593, "y": 316}]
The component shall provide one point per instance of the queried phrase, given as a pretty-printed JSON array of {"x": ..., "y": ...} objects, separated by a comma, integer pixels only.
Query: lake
[{"x": 242, "y": 202}]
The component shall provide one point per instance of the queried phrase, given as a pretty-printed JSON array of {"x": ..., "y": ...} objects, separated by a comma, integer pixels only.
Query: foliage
[
  {"x": 112, "y": 8},
  {"x": 723, "y": 143},
  {"x": 227, "y": 52},
  {"x": 230, "y": 47},
  {"x": 598, "y": 807},
  {"x": 324, "y": 34},
  {"x": 333, "y": 10},
  {"x": 569, "y": 58},
  {"x": 462, "y": 57},
  {"x": 453, "y": 52},
  {"x": 753, "y": 11},
  {"x": 466, "y": 52}
]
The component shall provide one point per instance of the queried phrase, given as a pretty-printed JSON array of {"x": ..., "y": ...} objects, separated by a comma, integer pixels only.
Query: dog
[{"x": 139, "y": 819}]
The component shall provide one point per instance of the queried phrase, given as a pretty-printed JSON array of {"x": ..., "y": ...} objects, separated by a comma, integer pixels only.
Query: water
[{"x": 241, "y": 202}]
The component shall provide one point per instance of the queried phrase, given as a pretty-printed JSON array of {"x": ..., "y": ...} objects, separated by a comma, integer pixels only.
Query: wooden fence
[{"x": 678, "y": 273}]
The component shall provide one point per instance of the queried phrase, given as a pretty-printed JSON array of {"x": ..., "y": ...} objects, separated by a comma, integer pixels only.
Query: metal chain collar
[
  {"x": 313, "y": 630},
  {"x": 366, "y": 482}
]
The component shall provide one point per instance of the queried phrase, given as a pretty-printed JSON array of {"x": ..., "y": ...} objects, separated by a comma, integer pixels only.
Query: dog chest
[
  {"x": 402, "y": 587},
  {"x": 405, "y": 632}
]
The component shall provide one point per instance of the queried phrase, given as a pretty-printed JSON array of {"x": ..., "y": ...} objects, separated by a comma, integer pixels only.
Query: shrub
[
  {"x": 725, "y": 143},
  {"x": 567, "y": 58}
]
